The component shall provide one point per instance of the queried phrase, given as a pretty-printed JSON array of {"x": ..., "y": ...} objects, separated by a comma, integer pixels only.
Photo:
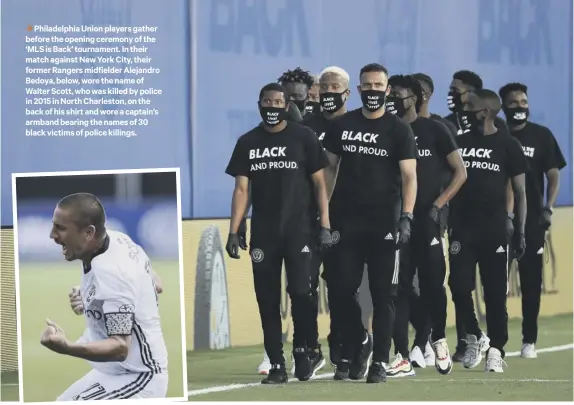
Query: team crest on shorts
[
  {"x": 335, "y": 237},
  {"x": 257, "y": 255},
  {"x": 455, "y": 247}
]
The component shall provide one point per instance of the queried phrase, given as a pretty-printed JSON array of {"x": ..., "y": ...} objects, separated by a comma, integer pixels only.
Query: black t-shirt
[
  {"x": 498, "y": 123},
  {"x": 435, "y": 143},
  {"x": 293, "y": 113},
  {"x": 451, "y": 127},
  {"x": 279, "y": 167},
  {"x": 490, "y": 162},
  {"x": 543, "y": 154},
  {"x": 317, "y": 122},
  {"x": 367, "y": 190}
]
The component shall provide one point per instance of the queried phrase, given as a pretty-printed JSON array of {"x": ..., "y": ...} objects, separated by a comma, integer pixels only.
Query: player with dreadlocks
[
  {"x": 297, "y": 82},
  {"x": 437, "y": 151}
]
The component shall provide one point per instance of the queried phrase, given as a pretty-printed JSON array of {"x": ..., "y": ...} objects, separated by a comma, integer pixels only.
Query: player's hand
[
  {"x": 519, "y": 245},
  {"x": 435, "y": 214},
  {"x": 546, "y": 218},
  {"x": 242, "y": 234},
  {"x": 76, "y": 302},
  {"x": 325, "y": 238},
  {"x": 54, "y": 338},
  {"x": 232, "y": 246},
  {"x": 509, "y": 227},
  {"x": 405, "y": 227}
]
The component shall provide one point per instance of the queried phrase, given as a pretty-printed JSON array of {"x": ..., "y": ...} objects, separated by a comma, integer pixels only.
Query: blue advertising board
[
  {"x": 242, "y": 45},
  {"x": 153, "y": 225}
]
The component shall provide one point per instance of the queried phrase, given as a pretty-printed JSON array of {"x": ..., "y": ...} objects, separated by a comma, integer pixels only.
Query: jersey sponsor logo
[
  {"x": 126, "y": 308},
  {"x": 455, "y": 248},
  {"x": 528, "y": 151},
  {"x": 91, "y": 293},
  {"x": 366, "y": 137},
  {"x": 257, "y": 255},
  {"x": 470, "y": 155},
  {"x": 275, "y": 151},
  {"x": 335, "y": 237},
  {"x": 93, "y": 314}
]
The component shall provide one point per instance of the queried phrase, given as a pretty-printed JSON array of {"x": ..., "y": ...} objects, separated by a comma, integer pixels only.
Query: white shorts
[{"x": 99, "y": 386}]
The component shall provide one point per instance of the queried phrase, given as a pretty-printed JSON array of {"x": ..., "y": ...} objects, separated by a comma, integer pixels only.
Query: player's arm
[
  {"x": 333, "y": 152},
  {"x": 316, "y": 161},
  {"x": 552, "y": 162},
  {"x": 239, "y": 167},
  {"x": 330, "y": 172},
  {"x": 407, "y": 155},
  {"x": 519, "y": 190},
  {"x": 446, "y": 145},
  {"x": 114, "y": 348},
  {"x": 157, "y": 282},
  {"x": 509, "y": 198},
  {"x": 517, "y": 168}
]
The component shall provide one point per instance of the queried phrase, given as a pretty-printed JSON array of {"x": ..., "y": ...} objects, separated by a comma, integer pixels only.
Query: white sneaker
[
  {"x": 265, "y": 365},
  {"x": 494, "y": 362},
  {"x": 429, "y": 355},
  {"x": 475, "y": 350},
  {"x": 443, "y": 361},
  {"x": 399, "y": 367},
  {"x": 528, "y": 351},
  {"x": 417, "y": 357}
]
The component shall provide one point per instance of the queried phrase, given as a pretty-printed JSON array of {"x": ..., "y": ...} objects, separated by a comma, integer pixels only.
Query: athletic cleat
[
  {"x": 417, "y": 357},
  {"x": 303, "y": 368},
  {"x": 317, "y": 360},
  {"x": 265, "y": 365},
  {"x": 429, "y": 355},
  {"x": 342, "y": 371},
  {"x": 528, "y": 351},
  {"x": 494, "y": 362},
  {"x": 475, "y": 350},
  {"x": 277, "y": 375},
  {"x": 334, "y": 351},
  {"x": 377, "y": 373},
  {"x": 443, "y": 362},
  {"x": 399, "y": 368},
  {"x": 458, "y": 356},
  {"x": 360, "y": 364}
]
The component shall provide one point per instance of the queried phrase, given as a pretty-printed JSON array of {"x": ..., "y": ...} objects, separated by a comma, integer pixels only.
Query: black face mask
[
  {"x": 312, "y": 107},
  {"x": 373, "y": 100},
  {"x": 301, "y": 104},
  {"x": 517, "y": 115},
  {"x": 469, "y": 121},
  {"x": 272, "y": 115},
  {"x": 332, "y": 102},
  {"x": 454, "y": 101},
  {"x": 396, "y": 105}
]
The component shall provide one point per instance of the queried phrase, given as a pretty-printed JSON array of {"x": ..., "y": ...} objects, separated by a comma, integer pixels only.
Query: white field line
[{"x": 231, "y": 387}]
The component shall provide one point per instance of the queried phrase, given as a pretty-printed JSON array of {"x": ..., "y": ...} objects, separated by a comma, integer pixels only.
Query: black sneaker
[
  {"x": 277, "y": 375},
  {"x": 360, "y": 363},
  {"x": 317, "y": 359},
  {"x": 335, "y": 348},
  {"x": 459, "y": 353},
  {"x": 377, "y": 373},
  {"x": 303, "y": 367},
  {"x": 342, "y": 371}
]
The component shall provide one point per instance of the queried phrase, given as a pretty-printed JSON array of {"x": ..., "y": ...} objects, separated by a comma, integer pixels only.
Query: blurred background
[{"x": 142, "y": 205}]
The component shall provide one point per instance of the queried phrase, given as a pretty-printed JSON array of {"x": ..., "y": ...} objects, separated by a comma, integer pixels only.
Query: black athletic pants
[
  {"x": 379, "y": 251},
  {"x": 425, "y": 253},
  {"x": 267, "y": 256},
  {"x": 484, "y": 244},
  {"x": 530, "y": 268}
]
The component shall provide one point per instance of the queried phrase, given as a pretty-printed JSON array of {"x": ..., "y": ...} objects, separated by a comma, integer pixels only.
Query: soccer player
[
  {"x": 463, "y": 83},
  {"x": 283, "y": 164},
  {"x": 376, "y": 154},
  {"x": 545, "y": 160},
  {"x": 437, "y": 152},
  {"x": 123, "y": 340},
  {"x": 428, "y": 90},
  {"x": 313, "y": 103},
  {"x": 298, "y": 83},
  {"x": 478, "y": 230}
]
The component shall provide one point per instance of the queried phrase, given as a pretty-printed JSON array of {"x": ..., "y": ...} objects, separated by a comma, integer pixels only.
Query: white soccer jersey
[{"x": 119, "y": 298}]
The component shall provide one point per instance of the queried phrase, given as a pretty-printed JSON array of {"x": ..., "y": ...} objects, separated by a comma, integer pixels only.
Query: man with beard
[
  {"x": 437, "y": 152},
  {"x": 478, "y": 231},
  {"x": 375, "y": 154},
  {"x": 545, "y": 160}
]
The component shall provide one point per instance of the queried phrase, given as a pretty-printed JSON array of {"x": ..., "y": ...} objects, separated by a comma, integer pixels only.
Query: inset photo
[{"x": 99, "y": 285}]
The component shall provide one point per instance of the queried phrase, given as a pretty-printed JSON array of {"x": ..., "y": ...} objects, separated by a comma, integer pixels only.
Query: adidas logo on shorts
[
  {"x": 389, "y": 237},
  {"x": 305, "y": 249},
  {"x": 500, "y": 250},
  {"x": 434, "y": 242}
]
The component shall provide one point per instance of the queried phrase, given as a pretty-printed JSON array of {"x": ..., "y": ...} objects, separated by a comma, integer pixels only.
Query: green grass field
[
  {"x": 44, "y": 294},
  {"x": 548, "y": 378}
]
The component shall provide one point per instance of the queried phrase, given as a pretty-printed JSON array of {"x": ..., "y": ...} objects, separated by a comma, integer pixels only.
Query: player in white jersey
[{"x": 123, "y": 340}]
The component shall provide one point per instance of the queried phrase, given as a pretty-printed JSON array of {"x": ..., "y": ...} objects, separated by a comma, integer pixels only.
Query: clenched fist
[{"x": 76, "y": 302}]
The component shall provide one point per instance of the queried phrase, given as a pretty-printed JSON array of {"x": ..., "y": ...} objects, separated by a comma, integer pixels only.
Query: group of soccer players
[{"x": 383, "y": 186}]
